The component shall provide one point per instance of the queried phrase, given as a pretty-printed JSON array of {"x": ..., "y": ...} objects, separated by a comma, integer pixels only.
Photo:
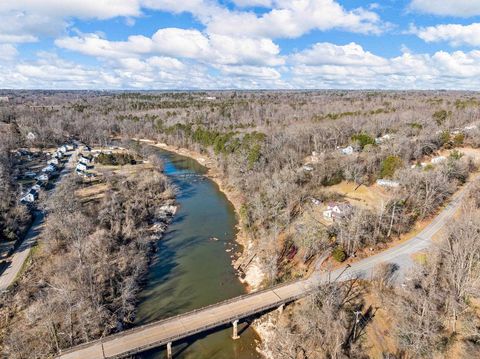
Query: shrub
[
  {"x": 389, "y": 166},
  {"x": 333, "y": 179},
  {"x": 339, "y": 254},
  {"x": 458, "y": 139},
  {"x": 415, "y": 125},
  {"x": 363, "y": 139},
  {"x": 440, "y": 116},
  {"x": 444, "y": 137},
  {"x": 456, "y": 155},
  {"x": 115, "y": 159}
]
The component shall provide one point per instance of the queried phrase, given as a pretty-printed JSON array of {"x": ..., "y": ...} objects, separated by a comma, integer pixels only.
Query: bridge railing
[
  {"x": 206, "y": 327},
  {"x": 178, "y": 316}
]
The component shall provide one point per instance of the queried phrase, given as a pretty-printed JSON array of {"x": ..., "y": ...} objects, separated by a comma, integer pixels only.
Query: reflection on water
[{"x": 190, "y": 270}]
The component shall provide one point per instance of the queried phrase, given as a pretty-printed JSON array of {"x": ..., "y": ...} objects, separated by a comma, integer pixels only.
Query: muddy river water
[{"x": 192, "y": 266}]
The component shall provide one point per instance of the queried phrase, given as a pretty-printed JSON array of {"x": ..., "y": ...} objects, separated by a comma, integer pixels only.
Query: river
[{"x": 190, "y": 269}]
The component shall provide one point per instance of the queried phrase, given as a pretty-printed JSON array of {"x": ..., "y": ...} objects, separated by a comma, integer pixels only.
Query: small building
[
  {"x": 30, "y": 197},
  {"x": 337, "y": 210},
  {"x": 470, "y": 128},
  {"x": 439, "y": 159},
  {"x": 308, "y": 168},
  {"x": 70, "y": 147},
  {"x": 63, "y": 149},
  {"x": 87, "y": 160},
  {"x": 43, "y": 177},
  {"x": 347, "y": 150},
  {"x": 58, "y": 154},
  {"x": 53, "y": 161},
  {"x": 49, "y": 169},
  {"x": 36, "y": 187},
  {"x": 30, "y": 174},
  {"x": 83, "y": 167},
  {"x": 387, "y": 183}
]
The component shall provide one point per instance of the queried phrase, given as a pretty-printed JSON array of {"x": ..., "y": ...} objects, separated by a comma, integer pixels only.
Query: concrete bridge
[{"x": 165, "y": 332}]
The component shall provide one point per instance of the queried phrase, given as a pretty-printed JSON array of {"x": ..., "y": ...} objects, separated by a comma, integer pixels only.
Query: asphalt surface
[{"x": 20, "y": 255}]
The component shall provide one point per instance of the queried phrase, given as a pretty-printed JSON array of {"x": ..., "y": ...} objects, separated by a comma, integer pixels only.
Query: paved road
[
  {"x": 159, "y": 333},
  {"x": 401, "y": 254},
  {"x": 175, "y": 328},
  {"x": 20, "y": 255}
]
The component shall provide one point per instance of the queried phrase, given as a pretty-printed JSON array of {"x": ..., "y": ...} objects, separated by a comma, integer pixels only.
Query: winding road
[{"x": 182, "y": 326}]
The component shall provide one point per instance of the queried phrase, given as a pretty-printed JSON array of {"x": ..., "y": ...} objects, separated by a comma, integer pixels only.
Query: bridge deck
[{"x": 172, "y": 329}]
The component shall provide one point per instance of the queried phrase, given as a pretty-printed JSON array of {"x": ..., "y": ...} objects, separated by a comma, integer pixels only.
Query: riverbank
[{"x": 252, "y": 275}]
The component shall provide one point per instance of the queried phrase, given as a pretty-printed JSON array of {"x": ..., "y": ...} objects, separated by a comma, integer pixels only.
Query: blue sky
[{"x": 244, "y": 44}]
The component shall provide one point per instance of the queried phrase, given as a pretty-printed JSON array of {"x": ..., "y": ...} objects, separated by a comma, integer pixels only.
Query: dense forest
[{"x": 281, "y": 150}]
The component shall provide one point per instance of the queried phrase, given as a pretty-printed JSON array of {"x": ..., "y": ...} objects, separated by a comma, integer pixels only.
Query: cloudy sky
[{"x": 244, "y": 44}]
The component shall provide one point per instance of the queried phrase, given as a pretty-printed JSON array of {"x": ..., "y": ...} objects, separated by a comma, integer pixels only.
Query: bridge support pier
[
  {"x": 169, "y": 350},
  {"x": 235, "y": 335},
  {"x": 281, "y": 308}
]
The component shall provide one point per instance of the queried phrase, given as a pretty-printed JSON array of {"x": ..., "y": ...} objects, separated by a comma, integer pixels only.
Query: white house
[
  {"x": 63, "y": 149},
  {"x": 348, "y": 150},
  {"x": 439, "y": 159},
  {"x": 308, "y": 168},
  {"x": 49, "y": 168},
  {"x": 470, "y": 128},
  {"x": 43, "y": 177},
  {"x": 337, "y": 210},
  {"x": 82, "y": 167},
  {"x": 58, "y": 154},
  {"x": 387, "y": 183},
  {"x": 53, "y": 161},
  {"x": 85, "y": 159},
  {"x": 36, "y": 187},
  {"x": 30, "y": 197},
  {"x": 31, "y": 136},
  {"x": 70, "y": 147}
]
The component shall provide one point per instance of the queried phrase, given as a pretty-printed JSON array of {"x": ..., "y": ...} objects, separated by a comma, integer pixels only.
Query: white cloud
[
  {"x": 457, "y": 70},
  {"x": 460, "y": 8},
  {"x": 174, "y": 42},
  {"x": 252, "y": 3},
  {"x": 52, "y": 72},
  {"x": 326, "y": 53},
  {"x": 293, "y": 18},
  {"x": 7, "y": 52},
  {"x": 83, "y": 9},
  {"x": 27, "y": 20},
  {"x": 454, "y": 34}
]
